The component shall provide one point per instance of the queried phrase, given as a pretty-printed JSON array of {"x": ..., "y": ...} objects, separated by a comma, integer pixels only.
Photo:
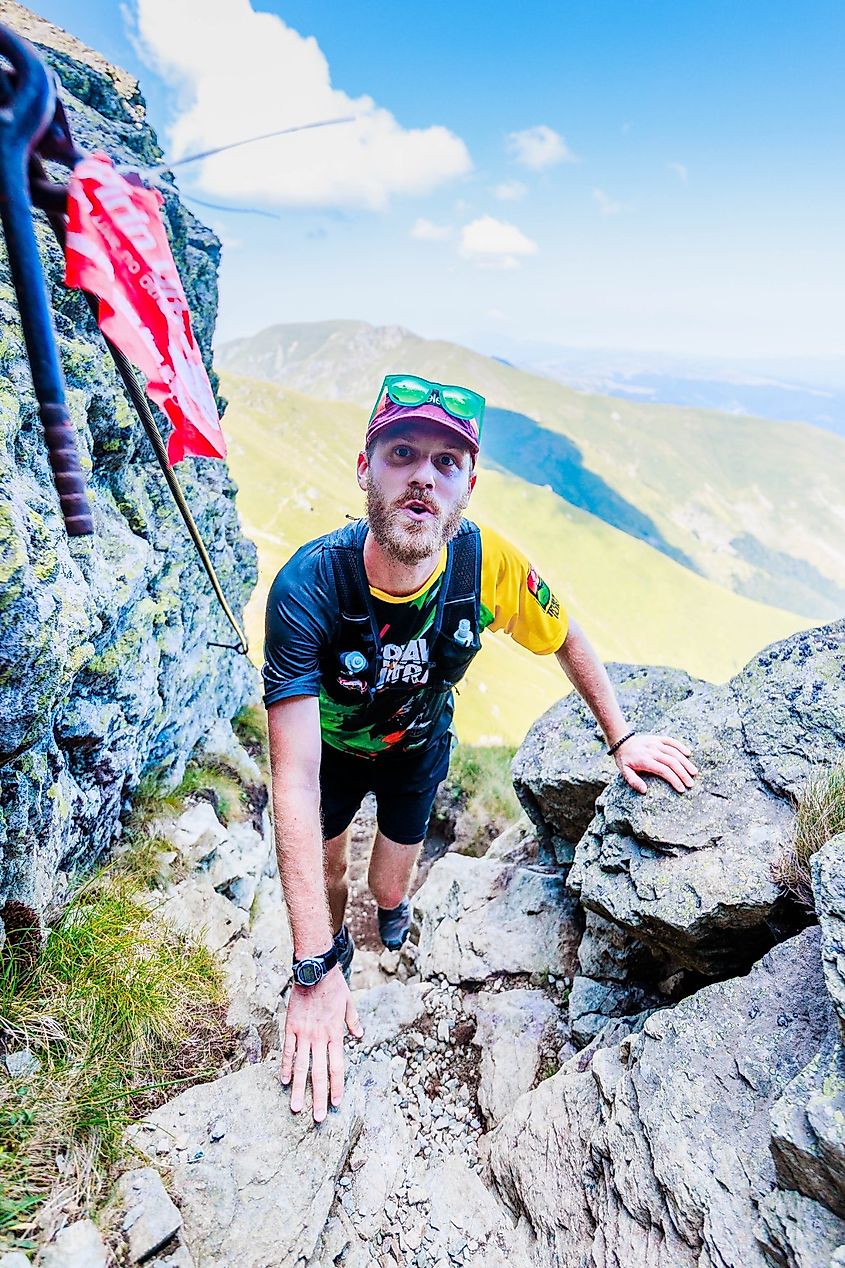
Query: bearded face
[{"x": 415, "y": 525}]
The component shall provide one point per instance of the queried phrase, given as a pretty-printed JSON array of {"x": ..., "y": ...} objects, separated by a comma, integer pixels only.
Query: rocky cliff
[
  {"x": 612, "y": 1042},
  {"x": 105, "y": 666}
]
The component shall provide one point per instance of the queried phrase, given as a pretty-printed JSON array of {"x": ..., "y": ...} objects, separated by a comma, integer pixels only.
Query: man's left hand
[{"x": 656, "y": 755}]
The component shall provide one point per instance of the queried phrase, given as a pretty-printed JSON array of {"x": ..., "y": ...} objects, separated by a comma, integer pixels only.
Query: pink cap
[{"x": 389, "y": 413}]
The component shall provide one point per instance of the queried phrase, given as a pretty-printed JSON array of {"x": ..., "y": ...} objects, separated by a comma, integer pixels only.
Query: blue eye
[{"x": 402, "y": 451}]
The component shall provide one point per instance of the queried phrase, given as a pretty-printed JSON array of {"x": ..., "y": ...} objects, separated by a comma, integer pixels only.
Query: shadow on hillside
[{"x": 519, "y": 444}]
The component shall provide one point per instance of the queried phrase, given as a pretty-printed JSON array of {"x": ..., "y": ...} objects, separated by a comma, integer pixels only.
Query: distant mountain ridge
[
  {"x": 753, "y": 505},
  {"x": 293, "y": 458}
]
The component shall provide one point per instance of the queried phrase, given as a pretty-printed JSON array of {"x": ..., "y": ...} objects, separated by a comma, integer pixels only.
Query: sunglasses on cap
[{"x": 411, "y": 390}]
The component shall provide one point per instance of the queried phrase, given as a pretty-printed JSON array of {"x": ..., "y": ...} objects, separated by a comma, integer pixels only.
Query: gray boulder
[
  {"x": 795, "y": 1232},
  {"x": 808, "y": 1128},
  {"x": 522, "y": 1035},
  {"x": 690, "y": 874},
  {"x": 254, "y": 1182},
  {"x": 562, "y": 766},
  {"x": 475, "y": 918},
  {"x": 77, "y": 1245},
  {"x": 828, "y": 868},
  {"x": 105, "y": 661},
  {"x": 593, "y": 1003},
  {"x": 657, "y": 1152},
  {"x": 151, "y": 1220},
  {"x": 792, "y": 701}
]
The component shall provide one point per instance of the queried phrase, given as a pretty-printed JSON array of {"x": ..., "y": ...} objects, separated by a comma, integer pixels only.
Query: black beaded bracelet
[{"x": 619, "y": 743}]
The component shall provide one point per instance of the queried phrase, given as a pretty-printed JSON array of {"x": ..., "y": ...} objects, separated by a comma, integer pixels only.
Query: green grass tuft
[
  {"x": 250, "y": 726},
  {"x": 210, "y": 780},
  {"x": 821, "y": 816},
  {"x": 116, "y": 1009},
  {"x": 479, "y": 795}
]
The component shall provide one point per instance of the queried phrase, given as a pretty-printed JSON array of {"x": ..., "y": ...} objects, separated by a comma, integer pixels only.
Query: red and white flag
[{"x": 117, "y": 249}]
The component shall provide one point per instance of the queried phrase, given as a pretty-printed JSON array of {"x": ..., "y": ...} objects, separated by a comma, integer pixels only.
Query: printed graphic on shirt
[
  {"x": 404, "y": 663},
  {"x": 395, "y": 717},
  {"x": 542, "y": 593}
]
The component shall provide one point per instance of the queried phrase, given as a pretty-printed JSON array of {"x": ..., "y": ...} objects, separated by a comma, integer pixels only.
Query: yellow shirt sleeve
[{"x": 516, "y": 599}]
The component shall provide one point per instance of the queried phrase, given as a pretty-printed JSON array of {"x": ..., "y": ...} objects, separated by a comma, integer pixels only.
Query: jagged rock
[
  {"x": 340, "y": 1244},
  {"x": 151, "y": 1219},
  {"x": 657, "y": 1154},
  {"x": 828, "y": 867},
  {"x": 463, "y": 1209},
  {"x": 259, "y": 1194},
  {"x": 477, "y": 917},
  {"x": 690, "y": 874},
  {"x": 619, "y": 976},
  {"x": 196, "y": 833},
  {"x": 78, "y": 1245},
  {"x": 379, "y": 1160},
  {"x": 194, "y": 907},
  {"x": 366, "y": 970},
  {"x": 808, "y": 1128},
  {"x": 238, "y": 862},
  {"x": 21, "y": 1062},
  {"x": 562, "y": 766},
  {"x": 610, "y": 953},
  {"x": 180, "y": 1258},
  {"x": 384, "y": 1011},
  {"x": 792, "y": 700},
  {"x": 104, "y": 640},
  {"x": 592, "y": 1004},
  {"x": 795, "y": 1232},
  {"x": 517, "y": 844},
  {"x": 517, "y": 1031},
  {"x": 258, "y": 965},
  {"x": 220, "y": 744}
]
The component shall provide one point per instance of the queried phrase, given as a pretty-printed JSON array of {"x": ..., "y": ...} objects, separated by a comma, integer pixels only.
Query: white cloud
[
  {"x": 510, "y": 191},
  {"x": 607, "y": 206},
  {"x": 428, "y": 231},
  {"x": 236, "y": 73},
  {"x": 680, "y": 170},
  {"x": 539, "y": 147},
  {"x": 495, "y": 243}
]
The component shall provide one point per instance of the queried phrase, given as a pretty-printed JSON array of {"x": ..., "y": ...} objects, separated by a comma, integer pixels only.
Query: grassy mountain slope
[
  {"x": 755, "y": 506},
  {"x": 293, "y": 459}
]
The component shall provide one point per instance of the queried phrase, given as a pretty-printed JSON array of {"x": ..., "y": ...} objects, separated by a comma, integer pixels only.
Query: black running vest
[{"x": 355, "y": 666}]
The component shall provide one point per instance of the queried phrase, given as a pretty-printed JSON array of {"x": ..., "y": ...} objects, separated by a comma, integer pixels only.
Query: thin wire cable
[
  {"x": 243, "y": 211},
  {"x": 233, "y": 145}
]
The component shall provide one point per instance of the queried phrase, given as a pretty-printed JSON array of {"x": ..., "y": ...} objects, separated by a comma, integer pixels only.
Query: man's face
[{"x": 418, "y": 481}]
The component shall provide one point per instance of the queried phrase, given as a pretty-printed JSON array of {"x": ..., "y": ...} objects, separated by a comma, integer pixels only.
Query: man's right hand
[{"x": 315, "y": 1024}]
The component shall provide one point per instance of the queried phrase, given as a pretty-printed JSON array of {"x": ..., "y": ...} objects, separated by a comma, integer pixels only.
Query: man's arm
[
  {"x": 317, "y": 1016},
  {"x": 648, "y": 754}
]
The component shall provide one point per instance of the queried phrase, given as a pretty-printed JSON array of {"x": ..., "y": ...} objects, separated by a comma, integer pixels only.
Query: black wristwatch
[{"x": 312, "y": 970}]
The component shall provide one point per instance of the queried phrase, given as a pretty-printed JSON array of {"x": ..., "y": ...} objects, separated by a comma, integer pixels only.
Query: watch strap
[{"x": 313, "y": 968}]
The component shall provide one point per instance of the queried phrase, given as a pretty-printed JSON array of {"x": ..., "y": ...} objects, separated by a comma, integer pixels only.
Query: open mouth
[{"x": 418, "y": 510}]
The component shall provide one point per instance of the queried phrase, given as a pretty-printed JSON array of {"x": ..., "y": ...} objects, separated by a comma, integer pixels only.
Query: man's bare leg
[
  {"x": 392, "y": 867},
  {"x": 336, "y": 863}
]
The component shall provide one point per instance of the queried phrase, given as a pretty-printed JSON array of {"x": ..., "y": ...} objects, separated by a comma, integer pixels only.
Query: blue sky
[{"x": 631, "y": 174}]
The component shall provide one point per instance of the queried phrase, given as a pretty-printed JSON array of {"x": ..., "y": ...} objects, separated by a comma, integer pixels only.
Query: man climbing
[{"x": 368, "y": 630}]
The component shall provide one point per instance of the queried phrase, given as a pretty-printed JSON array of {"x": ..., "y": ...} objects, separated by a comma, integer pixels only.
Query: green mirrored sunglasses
[{"x": 412, "y": 389}]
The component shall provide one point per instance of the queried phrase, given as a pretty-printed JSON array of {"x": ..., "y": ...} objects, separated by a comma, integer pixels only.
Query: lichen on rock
[{"x": 105, "y": 667}]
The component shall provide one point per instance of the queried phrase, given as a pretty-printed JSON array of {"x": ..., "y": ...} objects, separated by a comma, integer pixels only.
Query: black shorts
[{"x": 404, "y": 785}]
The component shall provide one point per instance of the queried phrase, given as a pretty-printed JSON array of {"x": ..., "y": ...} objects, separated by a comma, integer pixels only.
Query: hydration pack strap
[{"x": 461, "y": 582}]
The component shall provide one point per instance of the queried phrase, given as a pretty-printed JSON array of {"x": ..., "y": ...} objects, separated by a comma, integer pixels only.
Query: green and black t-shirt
[{"x": 407, "y": 711}]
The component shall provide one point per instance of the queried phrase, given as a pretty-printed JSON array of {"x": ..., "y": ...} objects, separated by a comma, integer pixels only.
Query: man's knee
[{"x": 336, "y": 857}]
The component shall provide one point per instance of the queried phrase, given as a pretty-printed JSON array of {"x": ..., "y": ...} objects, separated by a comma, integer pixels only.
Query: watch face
[{"x": 309, "y": 972}]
